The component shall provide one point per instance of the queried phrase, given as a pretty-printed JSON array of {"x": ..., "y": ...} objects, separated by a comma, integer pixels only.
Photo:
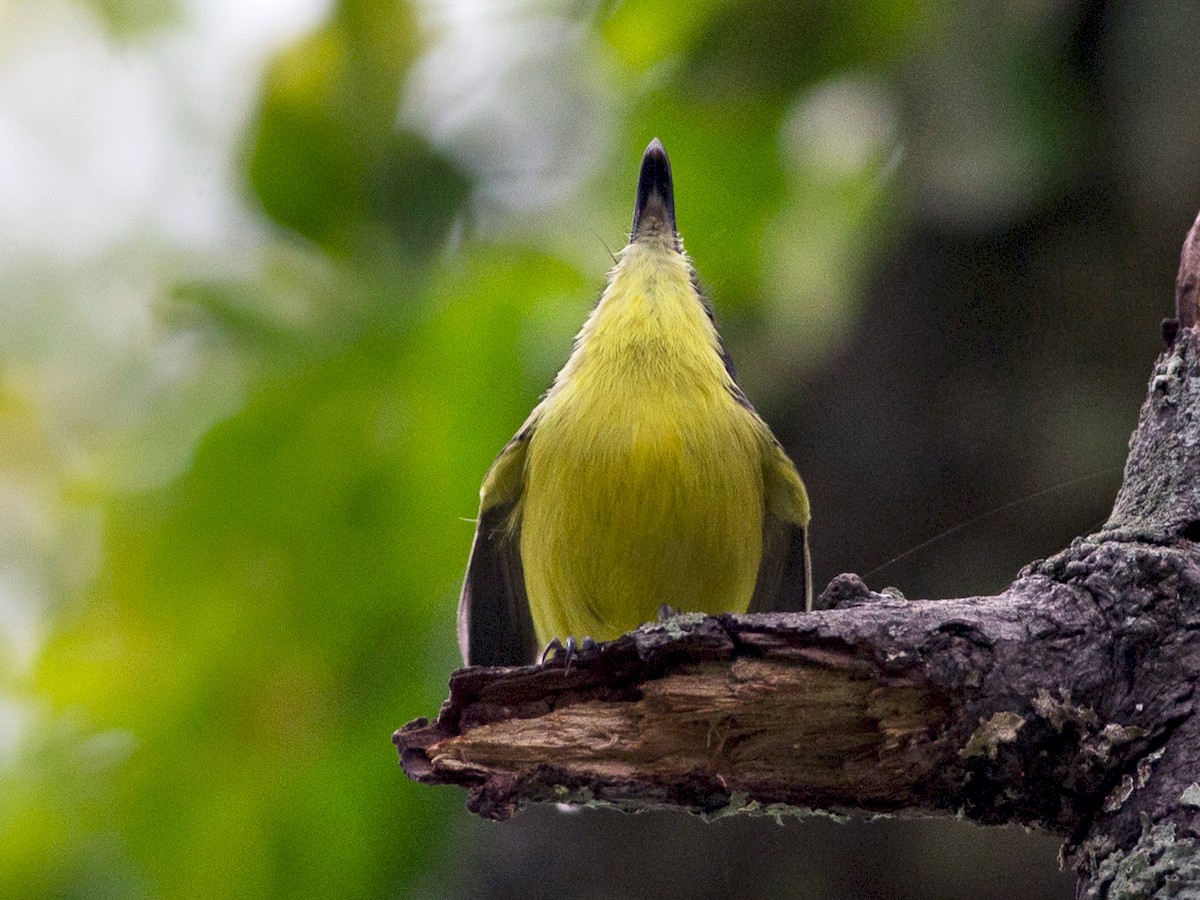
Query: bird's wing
[
  {"x": 785, "y": 573},
  {"x": 494, "y": 624}
]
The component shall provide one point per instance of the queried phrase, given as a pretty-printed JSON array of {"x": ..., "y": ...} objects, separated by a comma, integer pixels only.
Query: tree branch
[{"x": 1065, "y": 702}]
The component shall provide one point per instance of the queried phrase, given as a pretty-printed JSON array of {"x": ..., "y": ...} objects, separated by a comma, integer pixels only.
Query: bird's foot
[
  {"x": 666, "y": 611},
  {"x": 569, "y": 649}
]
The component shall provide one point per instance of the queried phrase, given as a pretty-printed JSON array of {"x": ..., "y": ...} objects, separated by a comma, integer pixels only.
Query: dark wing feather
[
  {"x": 785, "y": 574},
  {"x": 494, "y": 624},
  {"x": 495, "y": 627}
]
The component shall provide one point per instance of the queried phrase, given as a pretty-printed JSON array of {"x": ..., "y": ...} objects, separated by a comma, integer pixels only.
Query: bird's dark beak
[{"x": 654, "y": 211}]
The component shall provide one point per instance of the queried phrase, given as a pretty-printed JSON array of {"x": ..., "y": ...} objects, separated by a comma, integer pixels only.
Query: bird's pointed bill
[{"x": 654, "y": 210}]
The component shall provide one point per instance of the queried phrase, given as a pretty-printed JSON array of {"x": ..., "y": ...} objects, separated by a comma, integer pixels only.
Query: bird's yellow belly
[{"x": 624, "y": 512}]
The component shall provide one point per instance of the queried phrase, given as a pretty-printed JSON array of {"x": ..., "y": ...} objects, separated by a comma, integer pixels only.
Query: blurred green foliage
[
  {"x": 327, "y": 158},
  {"x": 236, "y": 530}
]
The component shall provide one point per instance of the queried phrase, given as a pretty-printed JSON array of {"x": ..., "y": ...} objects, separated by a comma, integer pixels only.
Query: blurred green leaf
[
  {"x": 646, "y": 34},
  {"x": 327, "y": 159},
  {"x": 770, "y": 48}
]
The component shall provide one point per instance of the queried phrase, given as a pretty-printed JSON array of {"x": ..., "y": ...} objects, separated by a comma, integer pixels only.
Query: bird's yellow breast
[{"x": 644, "y": 480}]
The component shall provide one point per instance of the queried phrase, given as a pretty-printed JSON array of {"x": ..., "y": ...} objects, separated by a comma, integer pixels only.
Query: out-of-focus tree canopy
[{"x": 277, "y": 280}]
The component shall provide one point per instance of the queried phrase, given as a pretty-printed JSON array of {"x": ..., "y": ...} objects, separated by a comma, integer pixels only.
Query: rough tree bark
[{"x": 1065, "y": 702}]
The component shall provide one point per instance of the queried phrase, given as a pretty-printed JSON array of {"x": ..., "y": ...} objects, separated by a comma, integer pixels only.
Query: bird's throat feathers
[{"x": 651, "y": 324}]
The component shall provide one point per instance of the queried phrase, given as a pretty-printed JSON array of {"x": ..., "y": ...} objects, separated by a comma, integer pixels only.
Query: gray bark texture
[{"x": 1064, "y": 703}]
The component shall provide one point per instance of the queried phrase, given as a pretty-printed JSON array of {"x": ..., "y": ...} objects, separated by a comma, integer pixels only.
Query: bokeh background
[{"x": 278, "y": 279}]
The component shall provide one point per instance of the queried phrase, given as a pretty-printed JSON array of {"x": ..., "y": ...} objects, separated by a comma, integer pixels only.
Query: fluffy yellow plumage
[{"x": 643, "y": 477}]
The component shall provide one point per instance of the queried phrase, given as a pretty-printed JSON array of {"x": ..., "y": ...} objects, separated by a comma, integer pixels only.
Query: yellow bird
[{"x": 644, "y": 477}]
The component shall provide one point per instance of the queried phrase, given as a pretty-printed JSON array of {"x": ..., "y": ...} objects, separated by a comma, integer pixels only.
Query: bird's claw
[
  {"x": 569, "y": 649},
  {"x": 554, "y": 648}
]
